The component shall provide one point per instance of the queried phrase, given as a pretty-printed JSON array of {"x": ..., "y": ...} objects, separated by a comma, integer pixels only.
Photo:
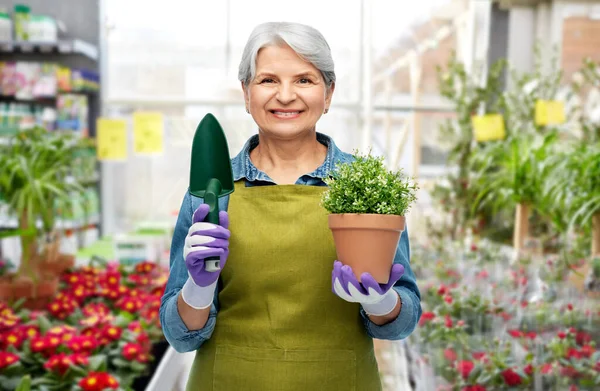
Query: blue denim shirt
[{"x": 184, "y": 340}]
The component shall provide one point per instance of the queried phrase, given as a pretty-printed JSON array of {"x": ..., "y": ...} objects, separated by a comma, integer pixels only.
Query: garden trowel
[{"x": 210, "y": 173}]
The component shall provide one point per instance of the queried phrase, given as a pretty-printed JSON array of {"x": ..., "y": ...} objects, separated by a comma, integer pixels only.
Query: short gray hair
[{"x": 306, "y": 41}]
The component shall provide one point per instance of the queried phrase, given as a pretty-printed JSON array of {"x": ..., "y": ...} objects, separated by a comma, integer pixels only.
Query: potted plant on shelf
[
  {"x": 36, "y": 167},
  {"x": 367, "y": 204}
]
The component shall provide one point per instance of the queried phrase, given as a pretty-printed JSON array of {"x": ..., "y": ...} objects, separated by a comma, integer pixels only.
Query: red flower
[
  {"x": 136, "y": 326},
  {"x": 82, "y": 344},
  {"x": 531, "y": 335},
  {"x": 448, "y": 321},
  {"x": 448, "y": 299},
  {"x": 569, "y": 372},
  {"x": 112, "y": 279},
  {"x": 516, "y": 333},
  {"x": 528, "y": 370},
  {"x": 450, "y": 355},
  {"x": 546, "y": 369},
  {"x": 506, "y": 316},
  {"x": 132, "y": 351},
  {"x": 465, "y": 368},
  {"x": 442, "y": 290},
  {"x": 582, "y": 338},
  {"x": 562, "y": 335},
  {"x": 573, "y": 353},
  {"x": 98, "y": 381},
  {"x": 480, "y": 356},
  {"x": 145, "y": 267},
  {"x": 587, "y": 351},
  {"x": 570, "y": 307},
  {"x": 80, "y": 359},
  {"x": 143, "y": 339},
  {"x": 13, "y": 338},
  {"x": 45, "y": 345},
  {"x": 7, "y": 359},
  {"x": 59, "y": 363},
  {"x": 476, "y": 387},
  {"x": 511, "y": 378},
  {"x": 112, "y": 333},
  {"x": 129, "y": 304},
  {"x": 573, "y": 388}
]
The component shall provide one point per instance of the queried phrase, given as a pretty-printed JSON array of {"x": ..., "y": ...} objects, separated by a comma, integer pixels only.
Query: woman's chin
[{"x": 287, "y": 131}]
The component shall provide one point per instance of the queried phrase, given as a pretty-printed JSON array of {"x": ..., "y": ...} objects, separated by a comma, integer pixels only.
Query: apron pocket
[{"x": 258, "y": 369}]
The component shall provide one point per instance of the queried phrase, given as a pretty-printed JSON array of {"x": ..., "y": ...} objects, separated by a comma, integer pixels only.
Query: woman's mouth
[{"x": 285, "y": 114}]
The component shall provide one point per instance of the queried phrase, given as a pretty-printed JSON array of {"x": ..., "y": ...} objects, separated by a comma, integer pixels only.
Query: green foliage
[
  {"x": 587, "y": 81},
  {"x": 36, "y": 167},
  {"x": 470, "y": 93},
  {"x": 366, "y": 186},
  {"x": 512, "y": 172}
]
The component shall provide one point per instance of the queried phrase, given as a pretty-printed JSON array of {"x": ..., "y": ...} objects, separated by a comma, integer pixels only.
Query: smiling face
[{"x": 288, "y": 94}]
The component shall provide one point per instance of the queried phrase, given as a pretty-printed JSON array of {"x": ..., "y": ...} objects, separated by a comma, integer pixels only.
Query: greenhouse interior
[{"x": 438, "y": 229}]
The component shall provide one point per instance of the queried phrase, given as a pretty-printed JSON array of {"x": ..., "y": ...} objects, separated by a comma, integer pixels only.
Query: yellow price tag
[
  {"x": 549, "y": 112},
  {"x": 148, "y": 132},
  {"x": 488, "y": 127},
  {"x": 111, "y": 135}
]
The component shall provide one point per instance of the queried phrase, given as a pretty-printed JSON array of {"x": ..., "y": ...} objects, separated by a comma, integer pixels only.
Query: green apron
[{"x": 279, "y": 326}]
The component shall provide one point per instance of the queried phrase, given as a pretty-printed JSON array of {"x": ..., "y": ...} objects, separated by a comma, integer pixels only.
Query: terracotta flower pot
[
  {"x": 62, "y": 263},
  {"x": 367, "y": 242},
  {"x": 37, "y": 296}
]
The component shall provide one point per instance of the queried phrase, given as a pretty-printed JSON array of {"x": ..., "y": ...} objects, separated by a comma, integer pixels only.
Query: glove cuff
[
  {"x": 198, "y": 297},
  {"x": 383, "y": 307}
]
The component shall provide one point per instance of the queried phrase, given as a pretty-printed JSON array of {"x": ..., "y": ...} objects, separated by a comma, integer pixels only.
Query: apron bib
[{"x": 279, "y": 326}]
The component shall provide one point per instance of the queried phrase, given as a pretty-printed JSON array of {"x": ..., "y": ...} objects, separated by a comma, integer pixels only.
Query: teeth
[{"x": 287, "y": 114}]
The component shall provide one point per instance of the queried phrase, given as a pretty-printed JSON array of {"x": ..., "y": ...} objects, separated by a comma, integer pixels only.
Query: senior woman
[{"x": 282, "y": 313}]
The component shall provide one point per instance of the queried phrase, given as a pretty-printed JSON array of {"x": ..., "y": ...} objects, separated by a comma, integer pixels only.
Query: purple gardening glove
[
  {"x": 376, "y": 299},
  {"x": 204, "y": 240}
]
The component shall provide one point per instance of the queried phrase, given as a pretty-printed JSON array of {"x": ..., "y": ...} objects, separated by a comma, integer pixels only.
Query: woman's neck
[{"x": 286, "y": 160}]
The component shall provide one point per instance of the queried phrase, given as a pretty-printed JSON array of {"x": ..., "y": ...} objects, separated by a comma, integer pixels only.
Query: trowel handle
[{"x": 211, "y": 198}]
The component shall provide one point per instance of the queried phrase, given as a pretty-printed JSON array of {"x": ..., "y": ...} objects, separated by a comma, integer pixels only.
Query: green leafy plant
[
  {"x": 511, "y": 172},
  {"x": 366, "y": 186},
  {"x": 36, "y": 176},
  {"x": 470, "y": 93}
]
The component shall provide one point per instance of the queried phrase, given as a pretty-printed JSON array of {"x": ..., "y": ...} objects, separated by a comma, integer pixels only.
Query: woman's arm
[
  {"x": 401, "y": 322},
  {"x": 184, "y": 327}
]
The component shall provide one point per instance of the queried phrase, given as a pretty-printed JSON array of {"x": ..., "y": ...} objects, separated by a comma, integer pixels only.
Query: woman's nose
[{"x": 286, "y": 93}]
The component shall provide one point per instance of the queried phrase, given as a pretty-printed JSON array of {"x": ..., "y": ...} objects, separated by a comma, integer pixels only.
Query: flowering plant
[
  {"x": 366, "y": 186},
  {"x": 95, "y": 335}
]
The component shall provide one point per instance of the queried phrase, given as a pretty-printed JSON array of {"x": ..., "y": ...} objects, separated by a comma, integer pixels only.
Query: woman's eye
[
  {"x": 267, "y": 80},
  {"x": 304, "y": 81}
]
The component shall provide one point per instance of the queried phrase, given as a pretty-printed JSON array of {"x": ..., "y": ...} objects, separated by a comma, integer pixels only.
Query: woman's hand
[
  {"x": 376, "y": 299},
  {"x": 204, "y": 240}
]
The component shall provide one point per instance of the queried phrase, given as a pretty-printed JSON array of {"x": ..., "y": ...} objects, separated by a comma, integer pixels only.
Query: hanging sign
[
  {"x": 488, "y": 127},
  {"x": 111, "y": 139},
  {"x": 148, "y": 130},
  {"x": 549, "y": 112}
]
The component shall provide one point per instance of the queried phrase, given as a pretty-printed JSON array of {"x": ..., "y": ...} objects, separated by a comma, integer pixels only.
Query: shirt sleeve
[
  {"x": 176, "y": 332},
  {"x": 410, "y": 296}
]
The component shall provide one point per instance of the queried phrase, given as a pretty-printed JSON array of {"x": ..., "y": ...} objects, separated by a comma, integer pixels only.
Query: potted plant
[
  {"x": 367, "y": 205},
  {"x": 511, "y": 174},
  {"x": 36, "y": 167}
]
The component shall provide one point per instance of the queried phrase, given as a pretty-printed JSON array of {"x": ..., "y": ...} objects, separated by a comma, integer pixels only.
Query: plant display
[
  {"x": 36, "y": 177},
  {"x": 366, "y": 186},
  {"x": 499, "y": 329},
  {"x": 95, "y": 335}
]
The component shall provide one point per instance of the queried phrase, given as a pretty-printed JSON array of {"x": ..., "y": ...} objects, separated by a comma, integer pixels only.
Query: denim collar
[{"x": 243, "y": 167}]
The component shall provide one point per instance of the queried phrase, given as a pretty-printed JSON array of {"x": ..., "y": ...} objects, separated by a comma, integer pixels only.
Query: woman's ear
[
  {"x": 328, "y": 95},
  {"x": 246, "y": 97}
]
